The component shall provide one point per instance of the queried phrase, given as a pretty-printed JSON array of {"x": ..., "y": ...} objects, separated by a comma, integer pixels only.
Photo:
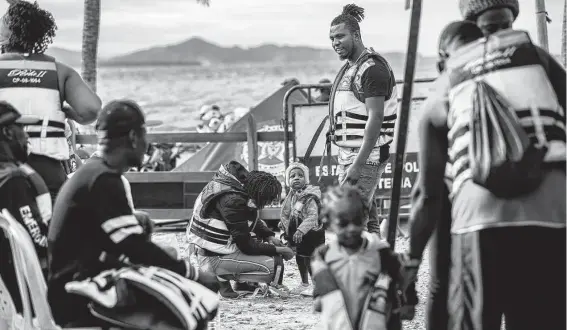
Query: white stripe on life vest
[
  {"x": 119, "y": 222},
  {"x": 28, "y": 64},
  {"x": 121, "y": 234},
  {"x": 45, "y": 207}
]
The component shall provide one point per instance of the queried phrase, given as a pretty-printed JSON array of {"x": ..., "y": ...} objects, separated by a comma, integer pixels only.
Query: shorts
[
  {"x": 310, "y": 241},
  {"x": 515, "y": 272}
]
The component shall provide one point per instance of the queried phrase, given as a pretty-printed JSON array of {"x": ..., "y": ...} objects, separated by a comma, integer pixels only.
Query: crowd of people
[{"x": 491, "y": 188}]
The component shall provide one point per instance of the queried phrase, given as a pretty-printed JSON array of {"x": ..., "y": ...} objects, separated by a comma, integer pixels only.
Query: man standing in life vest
[
  {"x": 505, "y": 259},
  {"x": 36, "y": 84},
  {"x": 362, "y": 109},
  {"x": 23, "y": 193}
]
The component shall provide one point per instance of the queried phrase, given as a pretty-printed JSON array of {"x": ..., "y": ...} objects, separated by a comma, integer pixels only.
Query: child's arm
[
  {"x": 284, "y": 215},
  {"x": 310, "y": 217}
]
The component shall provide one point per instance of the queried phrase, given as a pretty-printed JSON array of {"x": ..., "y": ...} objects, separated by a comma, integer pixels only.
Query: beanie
[
  {"x": 471, "y": 9},
  {"x": 300, "y": 166}
]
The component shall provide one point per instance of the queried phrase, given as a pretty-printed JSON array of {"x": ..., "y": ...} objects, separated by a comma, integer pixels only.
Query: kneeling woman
[{"x": 224, "y": 216}]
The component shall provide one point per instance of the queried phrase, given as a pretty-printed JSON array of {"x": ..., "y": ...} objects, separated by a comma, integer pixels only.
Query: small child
[
  {"x": 300, "y": 222},
  {"x": 356, "y": 276}
]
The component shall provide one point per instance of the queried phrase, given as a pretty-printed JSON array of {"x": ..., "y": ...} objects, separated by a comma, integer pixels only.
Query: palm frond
[{"x": 204, "y": 2}]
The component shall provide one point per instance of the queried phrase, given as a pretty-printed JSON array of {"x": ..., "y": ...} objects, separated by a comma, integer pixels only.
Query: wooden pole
[
  {"x": 403, "y": 121},
  {"x": 542, "y": 19},
  {"x": 252, "y": 141}
]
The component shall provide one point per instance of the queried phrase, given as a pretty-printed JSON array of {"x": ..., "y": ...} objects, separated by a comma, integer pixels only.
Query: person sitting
[
  {"x": 352, "y": 273},
  {"x": 92, "y": 218},
  {"x": 22, "y": 192},
  {"x": 224, "y": 216},
  {"x": 300, "y": 222}
]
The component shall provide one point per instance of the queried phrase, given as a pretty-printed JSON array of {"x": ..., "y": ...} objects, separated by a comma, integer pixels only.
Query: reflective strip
[
  {"x": 122, "y": 233},
  {"x": 44, "y": 205},
  {"x": 28, "y": 63},
  {"x": 119, "y": 222}
]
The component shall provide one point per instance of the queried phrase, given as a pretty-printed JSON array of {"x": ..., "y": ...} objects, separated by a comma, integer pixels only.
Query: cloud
[{"x": 128, "y": 25}]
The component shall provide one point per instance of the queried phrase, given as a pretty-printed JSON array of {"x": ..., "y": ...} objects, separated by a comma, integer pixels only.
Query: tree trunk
[
  {"x": 90, "y": 42},
  {"x": 564, "y": 36}
]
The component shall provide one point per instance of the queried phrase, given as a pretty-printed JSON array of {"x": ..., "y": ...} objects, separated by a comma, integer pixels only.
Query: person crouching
[
  {"x": 225, "y": 215},
  {"x": 356, "y": 274},
  {"x": 300, "y": 222}
]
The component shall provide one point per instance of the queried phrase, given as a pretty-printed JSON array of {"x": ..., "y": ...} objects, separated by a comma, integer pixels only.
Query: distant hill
[
  {"x": 197, "y": 50},
  {"x": 70, "y": 57}
]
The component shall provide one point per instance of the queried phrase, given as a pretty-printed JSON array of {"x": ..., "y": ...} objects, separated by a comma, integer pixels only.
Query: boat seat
[{"x": 30, "y": 280}]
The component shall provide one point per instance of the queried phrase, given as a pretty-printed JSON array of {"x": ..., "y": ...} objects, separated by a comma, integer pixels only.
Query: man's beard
[{"x": 20, "y": 152}]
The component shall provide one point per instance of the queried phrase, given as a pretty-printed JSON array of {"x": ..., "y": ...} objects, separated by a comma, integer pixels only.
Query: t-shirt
[{"x": 91, "y": 216}]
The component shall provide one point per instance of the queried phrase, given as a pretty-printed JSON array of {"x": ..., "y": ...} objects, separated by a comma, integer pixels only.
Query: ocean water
[{"x": 175, "y": 94}]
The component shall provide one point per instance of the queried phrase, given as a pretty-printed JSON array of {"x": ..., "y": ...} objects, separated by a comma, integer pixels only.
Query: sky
[{"x": 130, "y": 25}]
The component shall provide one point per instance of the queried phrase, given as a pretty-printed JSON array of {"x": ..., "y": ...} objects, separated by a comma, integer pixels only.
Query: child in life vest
[
  {"x": 356, "y": 275},
  {"x": 300, "y": 222}
]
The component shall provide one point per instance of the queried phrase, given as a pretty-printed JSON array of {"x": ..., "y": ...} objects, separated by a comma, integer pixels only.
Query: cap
[
  {"x": 324, "y": 81},
  {"x": 471, "y": 9},
  {"x": 9, "y": 115},
  {"x": 119, "y": 117}
]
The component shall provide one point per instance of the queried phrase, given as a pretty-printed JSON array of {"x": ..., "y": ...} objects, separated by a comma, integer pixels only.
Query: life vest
[
  {"x": 506, "y": 61},
  {"x": 42, "y": 196},
  {"x": 30, "y": 83},
  {"x": 330, "y": 295},
  {"x": 209, "y": 233},
  {"x": 347, "y": 110}
]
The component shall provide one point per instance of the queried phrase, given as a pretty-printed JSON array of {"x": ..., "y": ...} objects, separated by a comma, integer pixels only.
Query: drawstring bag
[
  {"x": 147, "y": 298},
  {"x": 503, "y": 159}
]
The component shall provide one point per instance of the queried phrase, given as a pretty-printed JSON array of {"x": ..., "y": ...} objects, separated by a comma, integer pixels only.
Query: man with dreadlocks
[
  {"x": 224, "y": 216},
  {"x": 362, "y": 110},
  {"x": 37, "y": 85}
]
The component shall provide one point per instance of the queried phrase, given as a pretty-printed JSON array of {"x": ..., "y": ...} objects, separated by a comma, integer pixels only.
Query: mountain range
[{"x": 197, "y": 51}]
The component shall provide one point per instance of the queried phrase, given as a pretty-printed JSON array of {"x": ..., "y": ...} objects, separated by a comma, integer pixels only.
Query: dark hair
[
  {"x": 32, "y": 28},
  {"x": 354, "y": 197},
  {"x": 262, "y": 187},
  {"x": 351, "y": 16},
  {"x": 463, "y": 32}
]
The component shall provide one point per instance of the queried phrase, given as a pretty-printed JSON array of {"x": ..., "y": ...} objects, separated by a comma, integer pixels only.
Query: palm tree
[
  {"x": 91, "y": 27},
  {"x": 564, "y": 36}
]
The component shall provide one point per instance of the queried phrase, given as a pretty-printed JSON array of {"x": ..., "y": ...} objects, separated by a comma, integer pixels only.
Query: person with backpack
[
  {"x": 496, "y": 114},
  {"x": 357, "y": 275},
  {"x": 300, "y": 222},
  {"x": 362, "y": 109},
  {"x": 435, "y": 230}
]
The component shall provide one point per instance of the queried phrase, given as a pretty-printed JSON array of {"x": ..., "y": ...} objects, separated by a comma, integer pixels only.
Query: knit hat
[
  {"x": 300, "y": 166},
  {"x": 471, "y": 9}
]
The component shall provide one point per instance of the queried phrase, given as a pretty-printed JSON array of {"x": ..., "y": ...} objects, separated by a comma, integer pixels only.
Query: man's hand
[
  {"x": 410, "y": 267},
  {"x": 298, "y": 237},
  {"x": 285, "y": 252},
  {"x": 209, "y": 280},
  {"x": 352, "y": 174},
  {"x": 145, "y": 221},
  {"x": 273, "y": 240}
]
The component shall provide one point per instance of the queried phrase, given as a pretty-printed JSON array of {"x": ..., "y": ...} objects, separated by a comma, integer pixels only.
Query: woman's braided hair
[
  {"x": 335, "y": 198},
  {"x": 32, "y": 28},
  {"x": 262, "y": 187}
]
